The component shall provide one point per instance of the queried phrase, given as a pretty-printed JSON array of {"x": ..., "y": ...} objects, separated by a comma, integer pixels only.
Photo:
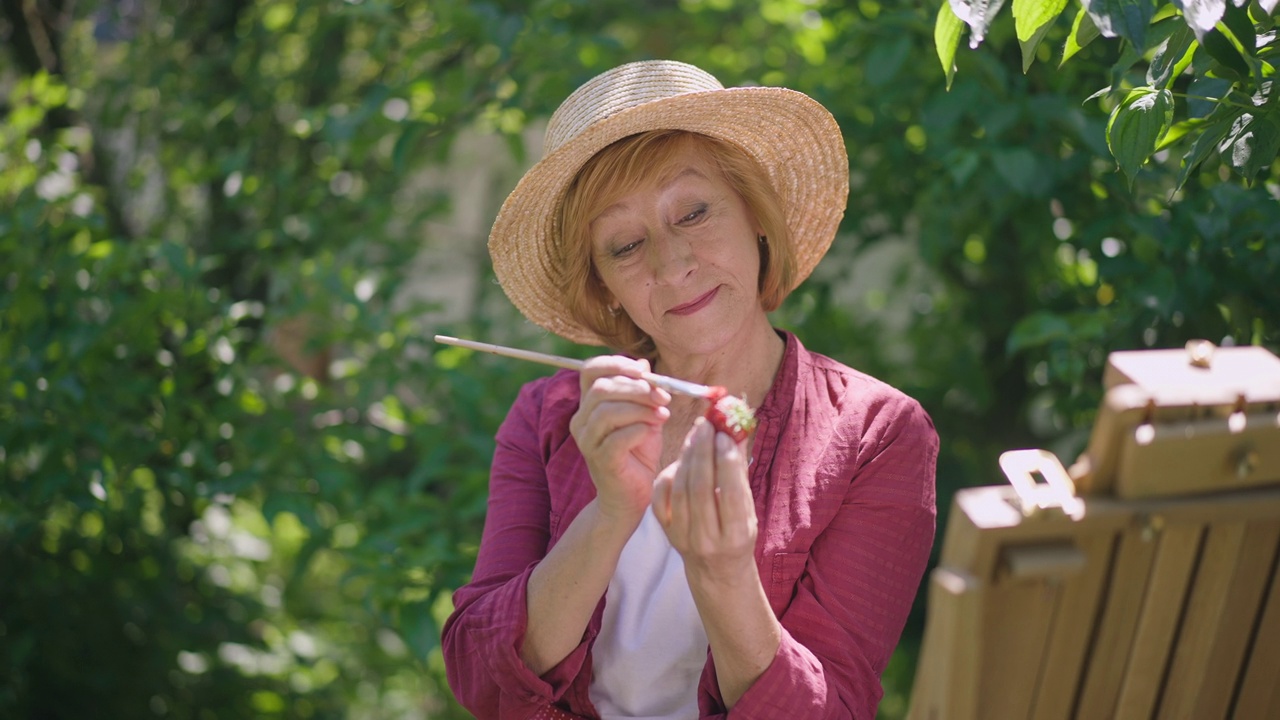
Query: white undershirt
[{"x": 648, "y": 657}]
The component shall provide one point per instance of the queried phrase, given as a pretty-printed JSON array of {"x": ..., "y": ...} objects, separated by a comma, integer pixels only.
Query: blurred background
[{"x": 239, "y": 480}]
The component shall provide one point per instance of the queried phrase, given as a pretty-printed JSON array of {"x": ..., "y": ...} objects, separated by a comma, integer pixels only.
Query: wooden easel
[{"x": 1142, "y": 583}]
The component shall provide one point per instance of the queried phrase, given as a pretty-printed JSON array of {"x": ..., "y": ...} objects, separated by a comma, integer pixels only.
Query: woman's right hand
[{"x": 618, "y": 428}]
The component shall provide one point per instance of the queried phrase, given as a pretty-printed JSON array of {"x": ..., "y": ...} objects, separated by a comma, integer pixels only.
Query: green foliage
[
  {"x": 1136, "y": 126},
  {"x": 236, "y": 480},
  {"x": 1216, "y": 40}
]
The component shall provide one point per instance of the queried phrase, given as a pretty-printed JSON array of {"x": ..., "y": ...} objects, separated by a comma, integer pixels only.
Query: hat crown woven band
[{"x": 622, "y": 88}]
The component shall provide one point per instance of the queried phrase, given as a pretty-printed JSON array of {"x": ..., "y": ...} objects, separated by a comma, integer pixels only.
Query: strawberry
[{"x": 730, "y": 415}]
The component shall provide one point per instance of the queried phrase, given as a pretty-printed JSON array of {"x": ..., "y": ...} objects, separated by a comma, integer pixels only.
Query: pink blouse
[{"x": 843, "y": 479}]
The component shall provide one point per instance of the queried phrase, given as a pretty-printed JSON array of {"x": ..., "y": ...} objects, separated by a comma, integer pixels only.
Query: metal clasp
[{"x": 1056, "y": 495}]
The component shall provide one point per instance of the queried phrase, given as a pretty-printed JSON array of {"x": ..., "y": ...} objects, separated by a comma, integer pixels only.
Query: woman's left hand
[{"x": 703, "y": 502}]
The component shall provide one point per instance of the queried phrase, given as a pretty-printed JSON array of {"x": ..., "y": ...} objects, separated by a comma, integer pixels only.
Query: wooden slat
[
  {"x": 1162, "y": 604},
  {"x": 1016, "y": 619},
  {"x": 985, "y": 517},
  {"x": 1110, "y": 651},
  {"x": 1073, "y": 627},
  {"x": 1259, "y": 695},
  {"x": 946, "y": 684},
  {"x": 1239, "y": 616}
]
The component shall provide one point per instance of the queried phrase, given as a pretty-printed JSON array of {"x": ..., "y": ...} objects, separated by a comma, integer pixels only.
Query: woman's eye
[
  {"x": 691, "y": 217},
  {"x": 626, "y": 249}
]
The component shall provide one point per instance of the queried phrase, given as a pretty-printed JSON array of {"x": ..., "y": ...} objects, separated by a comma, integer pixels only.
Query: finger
[
  {"x": 737, "y": 506},
  {"x": 660, "y": 500},
  {"x": 680, "y": 498},
  {"x": 602, "y": 365},
  {"x": 627, "y": 370},
  {"x": 615, "y": 388},
  {"x": 593, "y": 424},
  {"x": 704, "y": 518},
  {"x": 625, "y": 439},
  {"x": 613, "y": 414}
]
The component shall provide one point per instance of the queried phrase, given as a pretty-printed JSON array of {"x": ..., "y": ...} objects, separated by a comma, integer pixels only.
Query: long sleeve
[
  {"x": 854, "y": 587},
  {"x": 482, "y": 638}
]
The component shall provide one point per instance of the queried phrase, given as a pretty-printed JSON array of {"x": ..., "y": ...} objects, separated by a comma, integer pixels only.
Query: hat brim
[{"x": 793, "y": 138}]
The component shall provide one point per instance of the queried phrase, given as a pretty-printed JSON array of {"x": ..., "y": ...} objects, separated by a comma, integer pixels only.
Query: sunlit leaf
[
  {"x": 1180, "y": 130},
  {"x": 1229, "y": 60},
  {"x": 1122, "y": 18},
  {"x": 1136, "y": 126},
  {"x": 1171, "y": 54},
  {"x": 977, "y": 14},
  {"x": 1252, "y": 143},
  {"x": 1083, "y": 32},
  {"x": 1241, "y": 27},
  {"x": 946, "y": 39},
  {"x": 1210, "y": 136},
  {"x": 1201, "y": 15},
  {"x": 1032, "y": 21}
]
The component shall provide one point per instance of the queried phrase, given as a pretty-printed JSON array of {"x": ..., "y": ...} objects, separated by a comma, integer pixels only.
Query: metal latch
[{"x": 1056, "y": 495}]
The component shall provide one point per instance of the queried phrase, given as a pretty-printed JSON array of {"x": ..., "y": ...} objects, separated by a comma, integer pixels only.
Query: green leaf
[
  {"x": 419, "y": 628},
  {"x": 1180, "y": 130},
  {"x": 977, "y": 14},
  {"x": 961, "y": 164},
  {"x": 1122, "y": 18},
  {"x": 1021, "y": 169},
  {"x": 1136, "y": 126},
  {"x": 406, "y": 145},
  {"x": 1169, "y": 56},
  {"x": 1037, "y": 329},
  {"x": 1230, "y": 64},
  {"x": 946, "y": 38},
  {"x": 1083, "y": 32},
  {"x": 1132, "y": 53},
  {"x": 1201, "y": 15},
  {"x": 1252, "y": 143},
  {"x": 1210, "y": 136},
  {"x": 888, "y": 58},
  {"x": 1204, "y": 95},
  {"x": 1237, "y": 21},
  {"x": 1032, "y": 21},
  {"x": 1238, "y": 29}
]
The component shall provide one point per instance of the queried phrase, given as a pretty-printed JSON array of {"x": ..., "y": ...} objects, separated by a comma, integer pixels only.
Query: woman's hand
[
  {"x": 618, "y": 428},
  {"x": 703, "y": 502}
]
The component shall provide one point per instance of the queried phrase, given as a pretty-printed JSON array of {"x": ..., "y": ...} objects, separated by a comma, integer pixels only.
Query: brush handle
[{"x": 669, "y": 384}]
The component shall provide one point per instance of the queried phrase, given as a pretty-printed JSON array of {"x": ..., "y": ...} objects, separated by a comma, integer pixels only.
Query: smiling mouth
[{"x": 696, "y": 304}]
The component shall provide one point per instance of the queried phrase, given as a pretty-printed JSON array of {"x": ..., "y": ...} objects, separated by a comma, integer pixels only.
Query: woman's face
[{"x": 680, "y": 257}]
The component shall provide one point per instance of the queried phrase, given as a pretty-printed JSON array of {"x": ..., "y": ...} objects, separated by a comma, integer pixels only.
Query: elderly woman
[{"x": 635, "y": 563}]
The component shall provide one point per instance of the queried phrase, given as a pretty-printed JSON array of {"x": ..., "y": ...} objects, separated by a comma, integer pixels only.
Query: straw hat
[{"x": 789, "y": 134}]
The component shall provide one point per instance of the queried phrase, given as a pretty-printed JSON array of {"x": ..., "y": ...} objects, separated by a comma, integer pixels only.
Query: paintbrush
[{"x": 669, "y": 384}]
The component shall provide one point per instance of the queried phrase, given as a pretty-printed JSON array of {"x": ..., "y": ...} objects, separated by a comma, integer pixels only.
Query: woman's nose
[{"x": 671, "y": 257}]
